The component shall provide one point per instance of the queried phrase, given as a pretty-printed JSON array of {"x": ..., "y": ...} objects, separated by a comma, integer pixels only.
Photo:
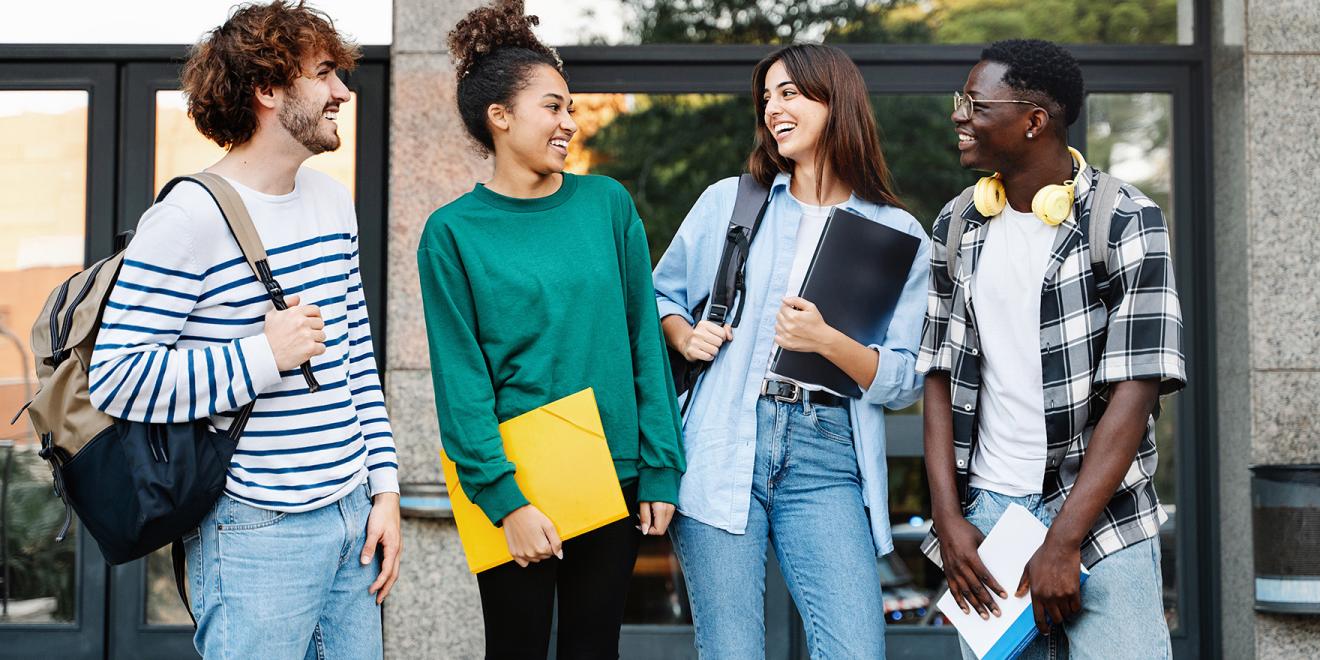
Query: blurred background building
[{"x": 1206, "y": 105}]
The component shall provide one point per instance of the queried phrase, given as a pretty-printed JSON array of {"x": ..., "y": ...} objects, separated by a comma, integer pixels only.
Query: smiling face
[
  {"x": 795, "y": 121},
  {"x": 311, "y": 105},
  {"x": 993, "y": 137},
  {"x": 537, "y": 125}
]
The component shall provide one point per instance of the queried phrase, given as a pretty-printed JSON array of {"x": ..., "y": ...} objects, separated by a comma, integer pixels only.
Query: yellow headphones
[{"x": 1052, "y": 204}]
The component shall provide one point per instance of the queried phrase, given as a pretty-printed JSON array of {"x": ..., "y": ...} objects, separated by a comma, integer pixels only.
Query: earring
[{"x": 1030, "y": 135}]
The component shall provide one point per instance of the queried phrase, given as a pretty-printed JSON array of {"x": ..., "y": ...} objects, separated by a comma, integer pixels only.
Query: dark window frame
[
  {"x": 84, "y": 637},
  {"x": 122, "y": 81}
]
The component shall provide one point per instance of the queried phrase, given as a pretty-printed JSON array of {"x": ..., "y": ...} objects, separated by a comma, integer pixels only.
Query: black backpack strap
[
  {"x": 730, "y": 281},
  {"x": 245, "y": 234},
  {"x": 179, "y": 559},
  {"x": 748, "y": 210}
]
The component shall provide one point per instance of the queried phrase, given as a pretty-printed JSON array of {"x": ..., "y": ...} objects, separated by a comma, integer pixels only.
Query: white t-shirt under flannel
[
  {"x": 1011, "y": 426},
  {"x": 1098, "y": 327},
  {"x": 182, "y": 339}
]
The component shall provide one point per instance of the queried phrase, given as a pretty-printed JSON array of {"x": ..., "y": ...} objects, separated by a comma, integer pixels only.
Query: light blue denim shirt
[{"x": 720, "y": 427}]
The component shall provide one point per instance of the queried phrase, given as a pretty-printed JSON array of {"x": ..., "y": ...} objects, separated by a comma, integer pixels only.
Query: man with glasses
[{"x": 1045, "y": 357}]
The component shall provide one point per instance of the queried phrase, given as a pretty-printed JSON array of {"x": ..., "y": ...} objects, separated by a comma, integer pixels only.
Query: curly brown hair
[
  {"x": 260, "y": 46},
  {"x": 495, "y": 51}
]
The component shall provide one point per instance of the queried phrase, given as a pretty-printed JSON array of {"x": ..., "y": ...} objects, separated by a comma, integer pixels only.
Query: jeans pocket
[
  {"x": 973, "y": 498},
  {"x": 235, "y": 516},
  {"x": 832, "y": 423}
]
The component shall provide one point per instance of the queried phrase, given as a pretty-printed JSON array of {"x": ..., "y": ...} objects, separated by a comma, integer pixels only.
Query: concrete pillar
[
  {"x": 1267, "y": 68},
  {"x": 434, "y": 611}
]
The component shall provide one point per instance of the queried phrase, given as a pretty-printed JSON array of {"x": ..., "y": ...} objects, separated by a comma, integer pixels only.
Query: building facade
[{"x": 1206, "y": 105}]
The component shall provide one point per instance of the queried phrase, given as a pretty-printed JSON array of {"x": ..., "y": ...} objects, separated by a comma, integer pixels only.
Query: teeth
[
  {"x": 559, "y": 143},
  {"x": 965, "y": 138},
  {"x": 331, "y": 115},
  {"x": 784, "y": 127}
]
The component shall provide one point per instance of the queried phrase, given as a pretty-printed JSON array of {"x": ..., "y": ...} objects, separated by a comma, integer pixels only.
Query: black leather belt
[{"x": 793, "y": 393}]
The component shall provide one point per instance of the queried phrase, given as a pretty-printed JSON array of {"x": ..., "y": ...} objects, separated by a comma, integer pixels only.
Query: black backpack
[
  {"x": 730, "y": 281},
  {"x": 136, "y": 487}
]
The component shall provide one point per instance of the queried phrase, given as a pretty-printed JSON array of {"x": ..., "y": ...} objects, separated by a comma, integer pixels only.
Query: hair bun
[{"x": 501, "y": 24}]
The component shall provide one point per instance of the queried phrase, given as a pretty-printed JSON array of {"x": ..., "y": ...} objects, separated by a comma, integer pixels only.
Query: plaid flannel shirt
[{"x": 1095, "y": 329}]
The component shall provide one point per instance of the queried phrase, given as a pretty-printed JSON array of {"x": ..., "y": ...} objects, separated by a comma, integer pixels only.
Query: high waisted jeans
[{"x": 806, "y": 502}]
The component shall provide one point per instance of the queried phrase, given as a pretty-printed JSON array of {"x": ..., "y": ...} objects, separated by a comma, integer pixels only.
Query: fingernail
[
  {"x": 366, "y": 559},
  {"x": 646, "y": 529},
  {"x": 560, "y": 554}
]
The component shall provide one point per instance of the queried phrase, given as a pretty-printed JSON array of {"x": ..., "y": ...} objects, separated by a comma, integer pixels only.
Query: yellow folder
[{"x": 564, "y": 469}]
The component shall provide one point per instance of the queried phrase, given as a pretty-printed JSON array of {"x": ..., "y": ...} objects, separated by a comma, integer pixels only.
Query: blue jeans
[
  {"x": 1122, "y": 601},
  {"x": 284, "y": 586},
  {"x": 807, "y": 502}
]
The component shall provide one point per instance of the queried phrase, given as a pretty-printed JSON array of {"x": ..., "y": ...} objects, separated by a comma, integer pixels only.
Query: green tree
[{"x": 670, "y": 147}]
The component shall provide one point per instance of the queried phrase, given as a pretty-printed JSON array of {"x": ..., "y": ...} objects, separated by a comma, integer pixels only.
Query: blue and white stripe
[{"x": 181, "y": 339}]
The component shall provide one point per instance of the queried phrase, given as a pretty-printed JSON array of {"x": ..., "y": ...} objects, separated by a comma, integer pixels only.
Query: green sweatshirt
[{"x": 530, "y": 300}]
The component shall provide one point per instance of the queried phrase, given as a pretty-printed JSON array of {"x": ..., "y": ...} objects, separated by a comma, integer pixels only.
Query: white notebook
[{"x": 1005, "y": 552}]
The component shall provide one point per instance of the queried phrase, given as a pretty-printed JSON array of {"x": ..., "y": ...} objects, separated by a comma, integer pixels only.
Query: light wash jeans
[
  {"x": 1122, "y": 601},
  {"x": 807, "y": 502},
  {"x": 284, "y": 586}
]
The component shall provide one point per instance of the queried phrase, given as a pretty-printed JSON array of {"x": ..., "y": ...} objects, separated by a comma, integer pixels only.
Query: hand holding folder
[
  {"x": 564, "y": 469},
  {"x": 855, "y": 279},
  {"x": 1005, "y": 552}
]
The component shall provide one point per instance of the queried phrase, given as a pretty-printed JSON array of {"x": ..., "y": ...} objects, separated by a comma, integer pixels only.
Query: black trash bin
[{"x": 1285, "y": 520}]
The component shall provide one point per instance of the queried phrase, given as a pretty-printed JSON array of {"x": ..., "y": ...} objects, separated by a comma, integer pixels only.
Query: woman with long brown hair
[{"x": 772, "y": 460}]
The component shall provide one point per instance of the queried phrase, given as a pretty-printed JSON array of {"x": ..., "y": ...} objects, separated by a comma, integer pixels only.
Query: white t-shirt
[
  {"x": 1006, "y": 288},
  {"x": 809, "y": 232}
]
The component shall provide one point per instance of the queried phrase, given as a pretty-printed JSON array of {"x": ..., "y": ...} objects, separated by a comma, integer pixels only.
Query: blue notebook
[{"x": 1005, "y": 552}]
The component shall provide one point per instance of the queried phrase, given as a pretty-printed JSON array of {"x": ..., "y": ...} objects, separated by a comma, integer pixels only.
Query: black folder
[{"x": 855, "y": 279}]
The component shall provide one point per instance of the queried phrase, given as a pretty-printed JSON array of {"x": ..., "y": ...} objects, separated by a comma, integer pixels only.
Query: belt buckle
[{"x": 796, "y": 397}]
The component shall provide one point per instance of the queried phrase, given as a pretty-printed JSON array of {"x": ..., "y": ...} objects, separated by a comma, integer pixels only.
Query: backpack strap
[
  {"x": 730, "y": 282},
  {"x": 245, "y": 233},
  {"x": 1104, "y": 198},
  {"x": 178, "y": 558},
  {"x": 957, "y": 225}
]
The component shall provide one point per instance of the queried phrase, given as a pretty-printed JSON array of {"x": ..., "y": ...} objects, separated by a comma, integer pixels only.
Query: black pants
[{"x": 591, "y": 580}]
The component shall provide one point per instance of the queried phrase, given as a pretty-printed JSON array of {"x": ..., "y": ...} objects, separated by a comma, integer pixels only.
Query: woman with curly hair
[{"x": 536, "y": 285}]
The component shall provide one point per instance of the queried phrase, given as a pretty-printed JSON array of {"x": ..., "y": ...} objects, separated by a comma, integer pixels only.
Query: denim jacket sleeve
[
  {"x": 897, "y": 384},
  {"x": 686, "y": 270}
]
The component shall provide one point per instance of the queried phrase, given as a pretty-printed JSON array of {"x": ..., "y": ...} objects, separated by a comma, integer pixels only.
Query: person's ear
[
  {"x": 498, "y": 116},
  {"x": 1038, "y": 121},
  {"x": 266, "y": 96}
]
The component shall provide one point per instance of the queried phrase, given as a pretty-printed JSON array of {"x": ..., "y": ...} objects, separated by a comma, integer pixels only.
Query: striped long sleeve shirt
[{"x": 181, "y": 339}]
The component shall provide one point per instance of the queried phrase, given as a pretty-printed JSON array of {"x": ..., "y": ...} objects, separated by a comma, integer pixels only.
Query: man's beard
[{"x": 304, "y": 125}]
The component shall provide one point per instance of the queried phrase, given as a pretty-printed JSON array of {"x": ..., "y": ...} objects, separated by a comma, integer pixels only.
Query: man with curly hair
[
  {"x": 295, "y": 558},
  {"x": 1052, "y": 328}
]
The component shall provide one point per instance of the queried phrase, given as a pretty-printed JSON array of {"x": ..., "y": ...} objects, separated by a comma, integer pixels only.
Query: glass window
[
  {"x": 616, "y": 22},
  {"x": 180, "y": 149},
  {"x": 1131, "y": 137},
  {"x": 43, "y": 180},
  {"x": 667, "y": 148}
]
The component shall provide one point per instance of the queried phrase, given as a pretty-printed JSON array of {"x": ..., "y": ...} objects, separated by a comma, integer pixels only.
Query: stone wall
[
  {"x": 1267, "y": 156},
  {"x": 434, "y": 611}
]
